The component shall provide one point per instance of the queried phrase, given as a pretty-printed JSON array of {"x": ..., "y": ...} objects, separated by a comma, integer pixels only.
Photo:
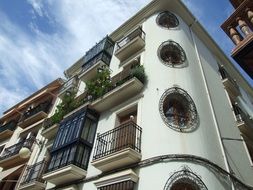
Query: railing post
[
  {"x": 243, "y": 26},
  {"x": 249, "y": 14},
  {"x": 234, "y": 35}
]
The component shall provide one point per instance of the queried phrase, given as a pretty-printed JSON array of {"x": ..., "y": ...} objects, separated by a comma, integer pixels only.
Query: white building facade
[{"x": 158, "y": 110}]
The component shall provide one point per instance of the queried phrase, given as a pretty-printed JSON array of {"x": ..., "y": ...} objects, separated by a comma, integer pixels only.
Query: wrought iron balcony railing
[
  {"x": 34, "y": 173},
  {"x": 136, "y": 33},
  {"x": 224, "y": 75},
  {"x": 13, "y": 150},
  {"x": 41, "y": 107},
  {"x": 125, "y": 136},
  {"x": 8, "y": 126}
]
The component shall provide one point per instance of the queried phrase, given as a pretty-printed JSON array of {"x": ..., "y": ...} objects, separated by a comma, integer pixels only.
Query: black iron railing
[
  {"x": 8, "y": 126},
  {"x": 125, "y": 136},
  {"x": 224, "y": 75},
  {"x": 242, "y": 116},
  {"x": 136, "y": 33},
  {"x": 129, "y": 185},
  {"x": 41, "y": 107},
  {"x": 77, "y": 153},
  {"x": 13, "y": 150},
  {"x": 34, "y": 173}
]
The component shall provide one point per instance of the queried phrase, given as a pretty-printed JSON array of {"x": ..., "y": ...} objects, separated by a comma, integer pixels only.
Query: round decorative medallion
[
  {"x": 178, "y": 110},
  {"x": 185, "y": 179},
  {"x": 167, "y": 20},
  {"x": 171, "y": 54}
]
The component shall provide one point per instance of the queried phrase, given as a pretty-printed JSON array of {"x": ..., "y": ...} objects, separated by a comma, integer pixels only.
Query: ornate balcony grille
[
  {"x": 8, "y": 126},
  {"x": 136, "y": 33},
  {"x": 13, "y": 150},
  {"x": 34, "y": 173},
  {"x": 125, "y": 136}
]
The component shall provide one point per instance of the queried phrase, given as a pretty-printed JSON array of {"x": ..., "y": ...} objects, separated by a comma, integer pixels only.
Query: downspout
[{"x": 210, "y": 103}]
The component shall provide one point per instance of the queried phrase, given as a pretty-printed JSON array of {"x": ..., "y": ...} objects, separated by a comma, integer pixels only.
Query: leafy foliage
[
  {"x": 138, "y": 71},
  {"x": 68, "y": 104},
  {"x": 100, "y": 84}
]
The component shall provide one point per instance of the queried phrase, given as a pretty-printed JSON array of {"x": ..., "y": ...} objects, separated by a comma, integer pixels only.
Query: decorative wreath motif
[
  {"x": 167, "y": 20},
  {"x": 185, "y": 179},
  {"x": 171, "y": 54},
  {"x": 178, "y": 110}
]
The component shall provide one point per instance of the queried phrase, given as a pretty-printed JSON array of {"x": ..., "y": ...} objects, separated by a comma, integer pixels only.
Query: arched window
[
  {"x": 171, "y": 54},
  {"x": 184, "y": 179},
  {"x": 178, "y": 110},
  {"x": 167, "y": 20}
]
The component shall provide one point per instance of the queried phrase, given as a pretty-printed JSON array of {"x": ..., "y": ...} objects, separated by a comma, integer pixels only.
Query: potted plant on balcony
[
  {"x": 138, "y": 71},
  {"x": 98, "y": 86}
]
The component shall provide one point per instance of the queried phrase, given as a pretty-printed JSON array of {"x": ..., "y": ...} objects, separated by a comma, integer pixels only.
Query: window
[
  {"x": 171, "y": 54},
  {"x": 185, "y": 179},
  {"x": 74, "y": 140},
  {"x": 178, "y": 110},
  {"x": 125, "y": 185},
  {"x": 167, "y": 20}
]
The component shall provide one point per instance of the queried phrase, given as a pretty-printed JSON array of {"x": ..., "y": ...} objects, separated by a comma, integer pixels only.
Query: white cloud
[{"x": 30, "y": 61}]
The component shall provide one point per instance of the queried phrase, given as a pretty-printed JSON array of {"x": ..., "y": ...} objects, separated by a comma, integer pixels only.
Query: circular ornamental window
[
  {"x": 171, "y": 54},
  {"x": 167, "y": 20},
  {"x": 178, "y": 110}
]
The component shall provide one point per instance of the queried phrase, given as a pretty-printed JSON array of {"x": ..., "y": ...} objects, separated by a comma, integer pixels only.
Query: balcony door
[{"x": 125, "y": 133}]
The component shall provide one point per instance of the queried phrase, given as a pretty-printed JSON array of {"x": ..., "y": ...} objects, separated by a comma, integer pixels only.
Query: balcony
[
  {"x": 99, "y": 55},
  {"x": 32, "y": 178},
  {"x": 124, "y": 85},
  {"x": 10, "y": 156},
  {"x": 229, "y": 84},
  {"x": 130, "y": 44},
  {"x": 50, "y": 130},
  {"x": 244, "y": 122},
  {"x": 35, "y": 114},
  {"x": 68, "y": 86},
  {"x": 118, "y": 147},
  {"x": 239, "y": 28},
  {"x": 7, "y": 130},
  {"x": 68, "y": 164}
]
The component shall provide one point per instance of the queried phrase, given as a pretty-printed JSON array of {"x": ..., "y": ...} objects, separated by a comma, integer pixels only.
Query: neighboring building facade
[
  {"x": 155, "y": 107},
  {"x": 20, "y": 130},
  {"x": 239, "y": 27}
]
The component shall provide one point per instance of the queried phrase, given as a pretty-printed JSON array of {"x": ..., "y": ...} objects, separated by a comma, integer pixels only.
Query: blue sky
[{"x": 39, "y": 39}]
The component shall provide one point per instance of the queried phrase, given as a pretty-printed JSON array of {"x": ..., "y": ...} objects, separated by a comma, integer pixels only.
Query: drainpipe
[{"x": 210, "y": 103}]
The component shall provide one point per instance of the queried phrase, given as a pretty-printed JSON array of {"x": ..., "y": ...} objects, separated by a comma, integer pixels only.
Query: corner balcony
[
  {"x": 10, "y": 156},
  {"x": 245, "y": 124},
  {"x": 35, "y": 114},
  {"x": 124, "y": 86},
  {"x": 229, "y": 84},
  {"x": 238, "y": 27},
  {"x": 98, "y": 56},
  {"x": 118, "y": 147},
  {"x": 32, "y": 177},
  {"x": 130, "y": 44},
  {"x": 68, "y": 86},
  {"x": 50, "y": 130},
  {"x": 68, "y": 164},
  {"x": 7, "y": 130}
]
